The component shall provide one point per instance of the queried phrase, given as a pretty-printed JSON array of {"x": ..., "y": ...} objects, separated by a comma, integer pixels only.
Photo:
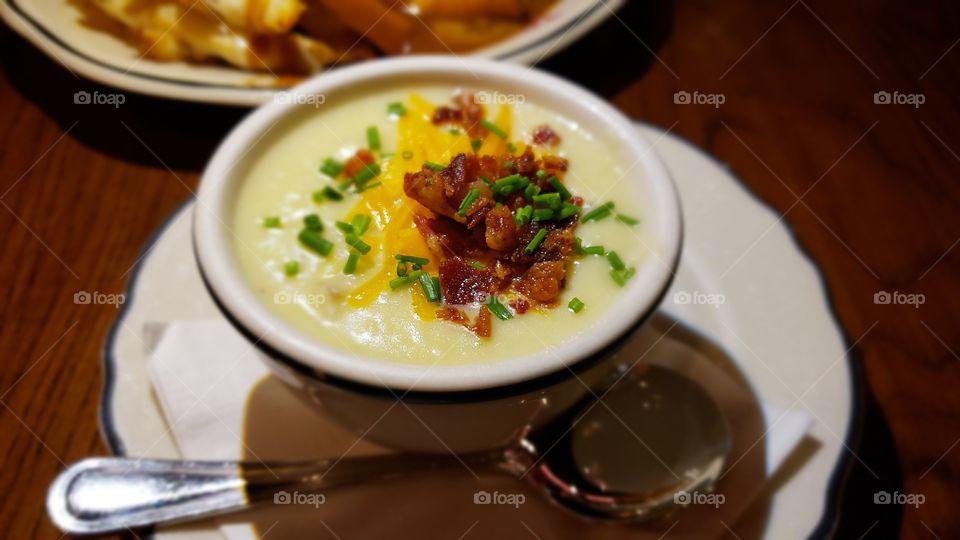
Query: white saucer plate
[
  {"x": 743, "y": 282},
  {"x": 55, "y": 27}
]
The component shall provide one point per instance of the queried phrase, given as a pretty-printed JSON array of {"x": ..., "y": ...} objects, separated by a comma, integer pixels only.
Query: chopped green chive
[
  {"x": 548, "y": 200},
  {"x": 541, "y": 174},
  {"x": 346, "y": 228},
  {"x": 328, "y": 192},
  {"x": 498, "y": 309},
  {"x": 360, "y": 222},
  {"x": 583, "y": 249},
  {"x": 523, "y": 215},
  {"x": 331, "y": 167},
  {"x": 430, "y": 288},
  {"x": 356, "y": 243},
  {"x": 509, "y": 164},
  {"x": 568, "y": 210},
  {"x": 365, "y": 174},
  {"x": 373, "y": 138},
  {"x": 312, "y": 222},
  {"x": 351, "y": 265},
  {"x": 396, "y": 283},
  {"x": 542, "y": 214},
  {"x": 271, "y": 222},
  {"x": 476, "y": 144},
  {"x": 434, "y": 166},
  {"x": 512, "y": 148},
  {"x": 531, "y": 191},
  {"x": 507, "y": 180},
  {"x": 561, "y": 189},
  {"x": 454, "y": 131},
  {"x": 508, "y": 184},
  {"x": 615, "y": 261},
  {"x": 627, "y": 220},
  {"x": 396, "y": 109},
  {"x": 535, "y": 243},
  {"x": 332, "y": 194},
  {"x": 467, "y": 201},
  {"x": 575, "y": 305},
  {"x": 598, "y": 213},
  {"x": 412, "y": 259},
  {"x": 365, "y": 187},
  {"x": 407, "y": 154},
  {"x": 477, "y": 265},
  {"x": 621, "y": 276},
  {"x": 291, "y": 268},
  {"x": 401, "y": 268},
  {"x": 486, "y": 181},
  {"x": 492, "y": 128},
  {"x": 315, "y": 242}
]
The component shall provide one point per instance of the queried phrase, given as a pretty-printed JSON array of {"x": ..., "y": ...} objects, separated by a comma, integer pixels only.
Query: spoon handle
[{"x": 101, "y": 495}]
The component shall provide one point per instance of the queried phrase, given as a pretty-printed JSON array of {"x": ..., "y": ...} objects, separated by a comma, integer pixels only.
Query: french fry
[{"x": 389, "y": 29}]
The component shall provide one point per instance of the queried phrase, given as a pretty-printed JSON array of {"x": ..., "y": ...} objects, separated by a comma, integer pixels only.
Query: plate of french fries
[{"x": 243, "y": 52}]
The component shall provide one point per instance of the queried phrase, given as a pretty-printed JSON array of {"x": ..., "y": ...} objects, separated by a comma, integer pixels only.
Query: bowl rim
[{"x": 235, "y": 297}]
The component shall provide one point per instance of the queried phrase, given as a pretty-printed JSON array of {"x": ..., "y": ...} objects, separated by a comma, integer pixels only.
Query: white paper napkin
[{"x": 204, "y": 373}]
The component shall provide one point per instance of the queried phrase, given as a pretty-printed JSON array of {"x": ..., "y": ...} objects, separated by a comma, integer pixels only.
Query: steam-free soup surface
[{"x": 359, "y": 312}]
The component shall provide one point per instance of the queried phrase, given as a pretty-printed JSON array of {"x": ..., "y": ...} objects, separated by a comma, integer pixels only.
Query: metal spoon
[{"x": 652, "y": 435}]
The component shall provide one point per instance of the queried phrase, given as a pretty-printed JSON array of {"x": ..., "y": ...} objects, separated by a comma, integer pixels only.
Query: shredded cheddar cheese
[{"x": 420, "y": 140}]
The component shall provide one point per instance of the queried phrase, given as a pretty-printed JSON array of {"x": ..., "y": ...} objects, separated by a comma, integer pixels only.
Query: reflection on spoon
[
  {"x": 651, "y": 436},
  {"x": 624, "y": 456}
]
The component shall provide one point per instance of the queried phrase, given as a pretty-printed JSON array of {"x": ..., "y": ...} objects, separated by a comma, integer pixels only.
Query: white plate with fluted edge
[
  {"x": 55, "y": 27},
  {"x": 754, "y": 293}
]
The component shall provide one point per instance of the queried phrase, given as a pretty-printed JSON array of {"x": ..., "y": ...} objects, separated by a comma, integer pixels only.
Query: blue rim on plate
[{"x": 839, "y": 478}]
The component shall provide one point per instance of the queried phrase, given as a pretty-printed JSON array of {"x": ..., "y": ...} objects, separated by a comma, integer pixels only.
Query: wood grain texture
[{"x": 871, "y": 191}]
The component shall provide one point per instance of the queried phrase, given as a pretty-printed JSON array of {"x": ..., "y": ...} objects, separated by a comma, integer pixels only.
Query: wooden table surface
[{"x": 870, "y": 189}]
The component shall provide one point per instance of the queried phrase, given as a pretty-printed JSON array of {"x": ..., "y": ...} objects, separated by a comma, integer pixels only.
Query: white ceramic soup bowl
[{"x": 459, "y": 407}]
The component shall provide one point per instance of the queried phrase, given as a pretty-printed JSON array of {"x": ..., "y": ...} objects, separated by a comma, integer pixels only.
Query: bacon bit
[
  {"x": 482, "y": 327},
  {"x": 473, "y": 113},
  {"x": 466, "y": 112},
  {"x": 577, "y": 201},
  {"x": 526, "y": 163},
  {"x": 453, "y": 315},
  {"x": 447, "y": 115},
  {"x": 489, "y": 167},
  {"x": 501, "y": 233},
  {"x": 443, "y": 191},
  {"x": 462, "y": 171},
  {"x": 427, "y": 188},
  {"x": 484, "y": 324},
  {"x": 445, "y": 238},
  {"x": 555, "y": 166},
  {"x": 355, "y": 164},
  {"x": 520, "y": 305},
  {"x": 558, "y": 245},
  {"x": 545, "y": 136},
  {"x": 542, "y": 281},
  {"x": 464, "y": 284}
]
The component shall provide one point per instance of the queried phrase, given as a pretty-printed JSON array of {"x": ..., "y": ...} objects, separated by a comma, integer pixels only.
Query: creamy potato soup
[{"x": 434, "y": 224}]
